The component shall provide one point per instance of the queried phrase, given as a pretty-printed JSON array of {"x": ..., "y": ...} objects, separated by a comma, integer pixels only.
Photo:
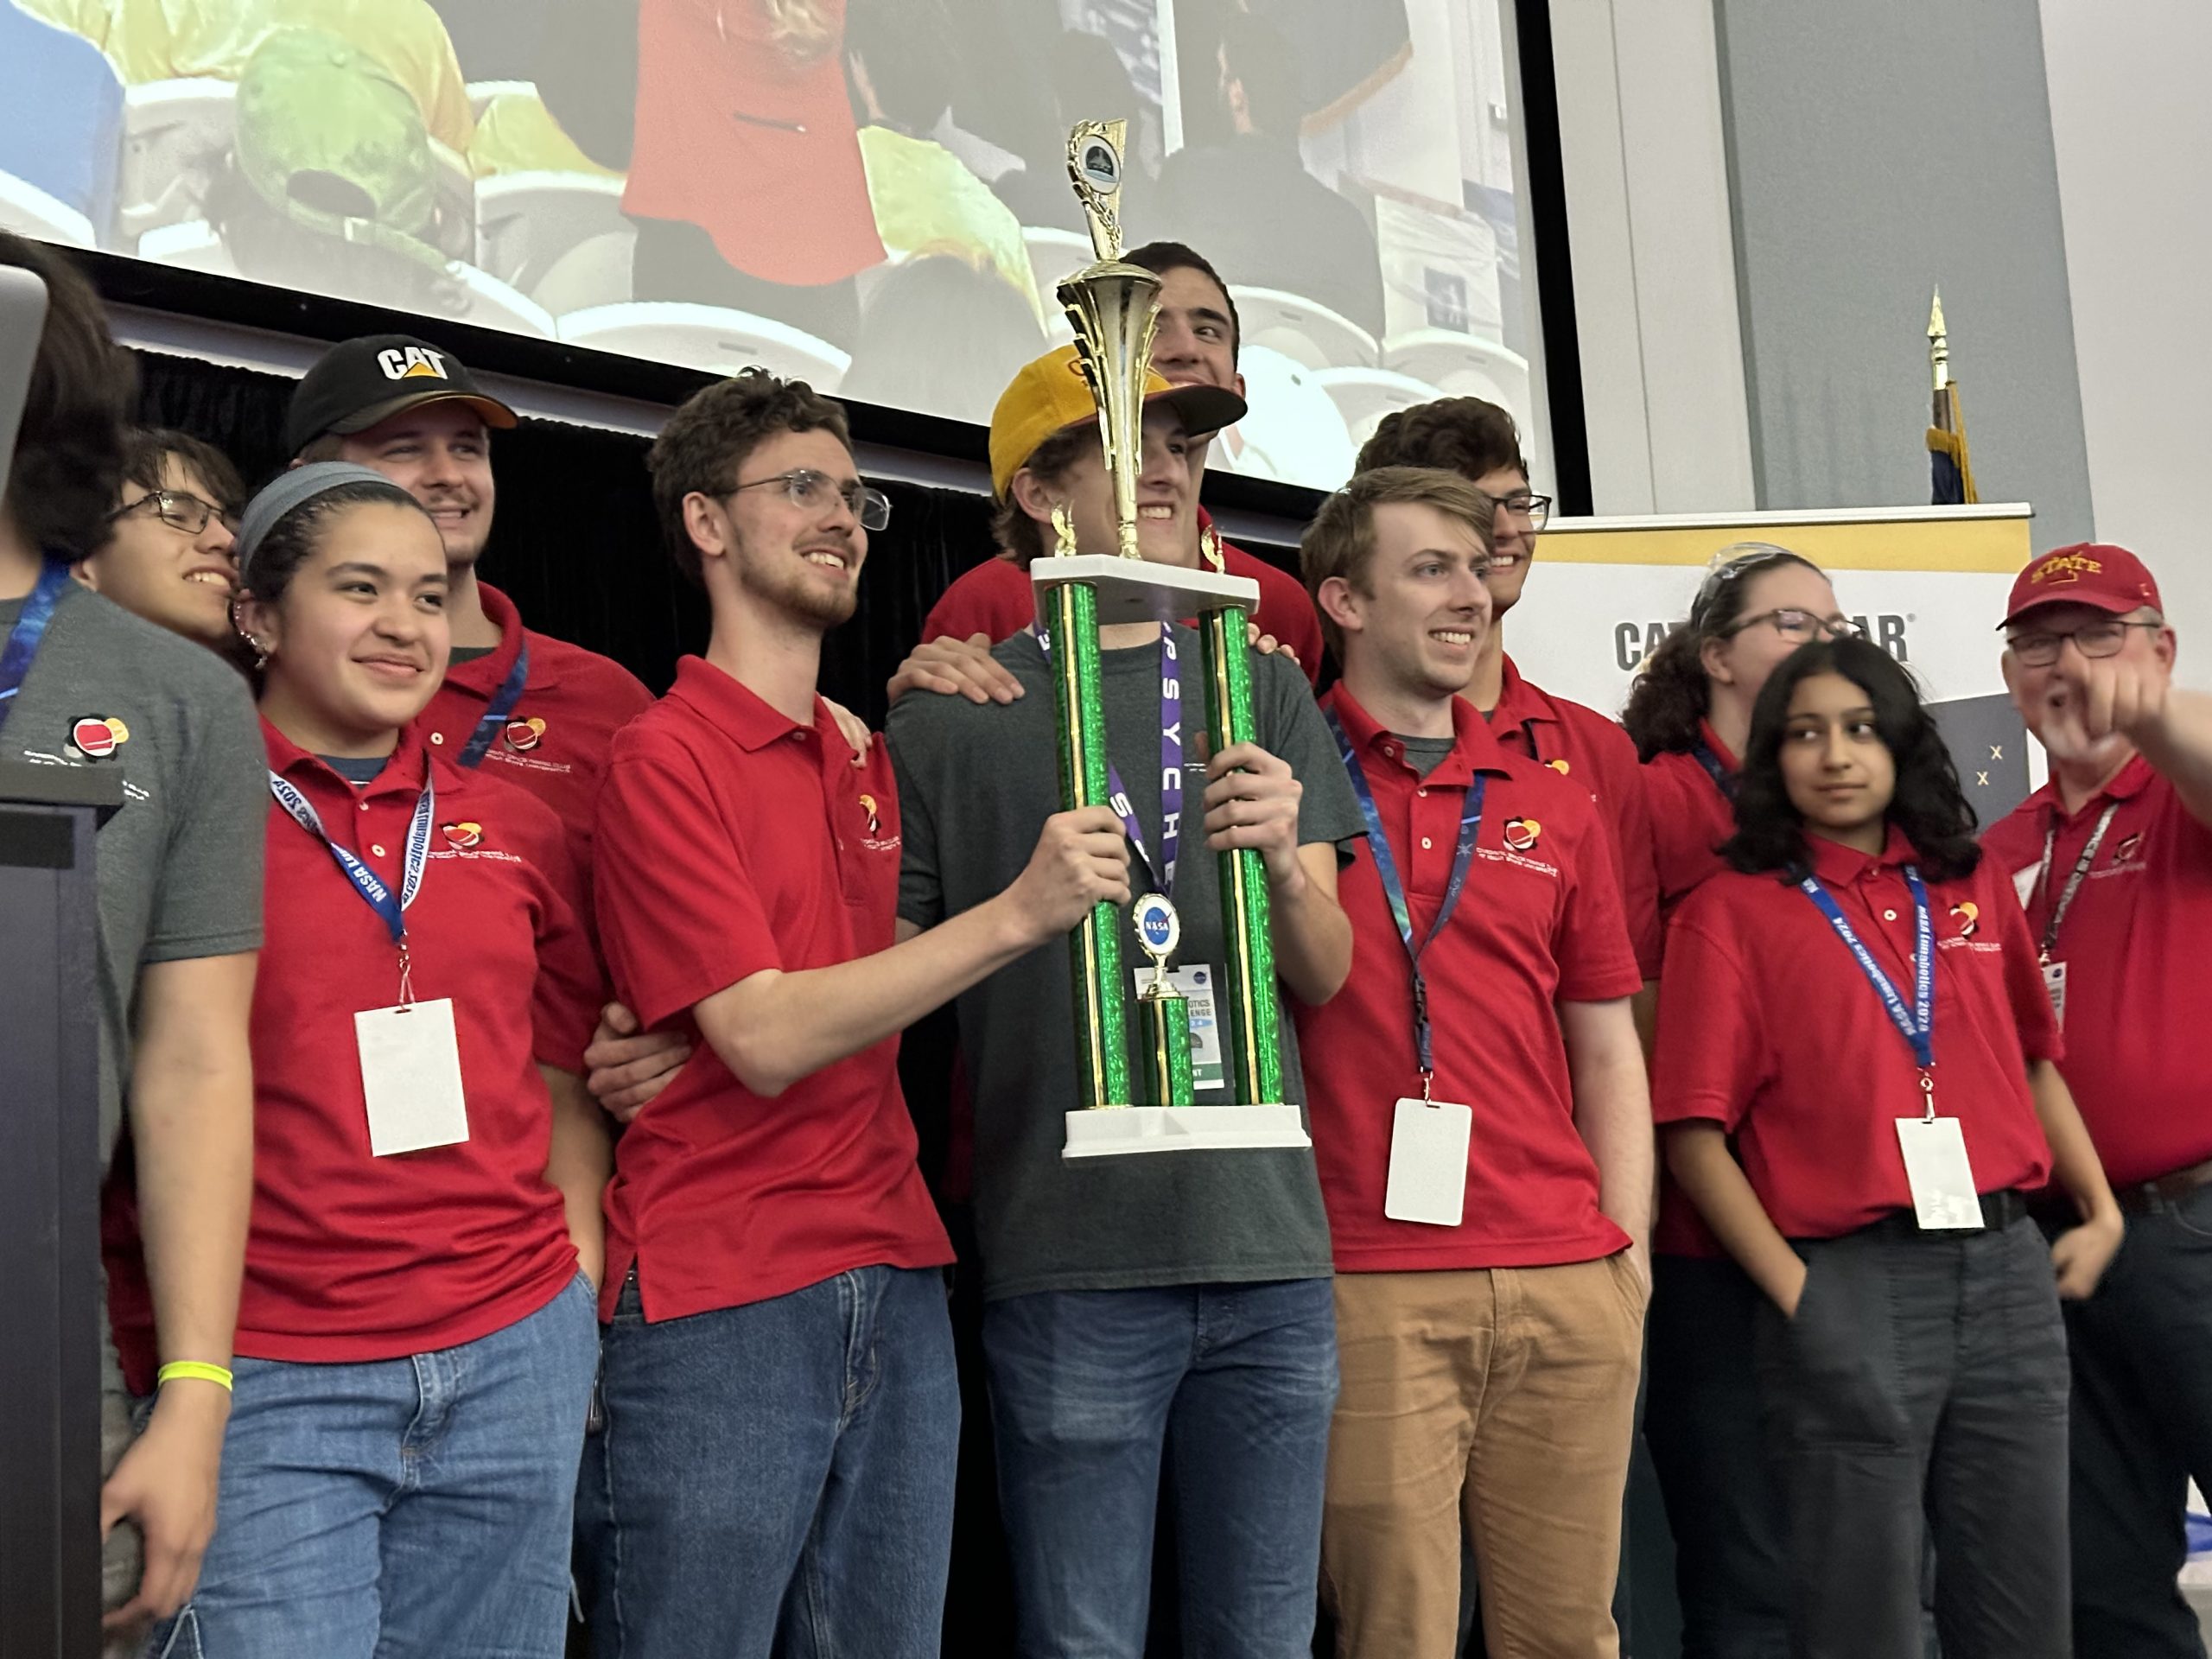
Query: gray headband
[{"x": 290, "y": 490}]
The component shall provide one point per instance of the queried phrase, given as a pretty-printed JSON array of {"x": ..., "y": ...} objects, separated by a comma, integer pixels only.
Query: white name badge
[
  {"x": 2054, "y": 985},
  {"x": 1935, "y": 1168},
  {"x": 1209, "y": 1068},
  {"x": 411, "y": 1072},
  {"x": 1429, "y": 1162}
]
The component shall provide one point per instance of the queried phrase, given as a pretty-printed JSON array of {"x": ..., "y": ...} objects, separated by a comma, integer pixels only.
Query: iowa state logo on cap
[
  {"x": 95, "y": 737},
  {"x": 2065, "y": 568},
  {"x": 1522, "y": 834},
  {"x": 411, "y": 362}
]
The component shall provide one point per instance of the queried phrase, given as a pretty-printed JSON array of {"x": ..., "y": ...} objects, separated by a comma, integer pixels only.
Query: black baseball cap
[{"x": 358, "y": 383}]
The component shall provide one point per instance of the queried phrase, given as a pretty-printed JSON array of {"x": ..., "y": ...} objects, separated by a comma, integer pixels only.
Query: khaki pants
[{"x": 1506, "y": 1396}]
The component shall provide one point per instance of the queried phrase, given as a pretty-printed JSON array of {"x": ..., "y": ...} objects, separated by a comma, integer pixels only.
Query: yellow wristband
[{"x": 197, "y": 1371}]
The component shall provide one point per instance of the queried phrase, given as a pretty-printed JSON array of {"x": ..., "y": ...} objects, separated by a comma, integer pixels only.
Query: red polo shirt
[
  {"x": 1539, "y": 921},
  {"x": 750, "y": 136},
  {"x": 353, "y": 1257},
  {"x": 555, "y": 739},
  {"x": 1767, "y": 1026},
  {"x": 1689, "y": 817},
  {"x": 1579, "y": 742},
  {"x": 2133, "y": 942},
  {"x": 732, "y": 841},
  {"x": 995, "y": 597}
]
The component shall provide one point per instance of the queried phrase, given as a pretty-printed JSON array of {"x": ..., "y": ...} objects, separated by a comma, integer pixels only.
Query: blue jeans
[
  {"x": 1091, "y": 1389},
  {"x": 402, "y": 1507},
  {"x": 785, "y": 1467}
]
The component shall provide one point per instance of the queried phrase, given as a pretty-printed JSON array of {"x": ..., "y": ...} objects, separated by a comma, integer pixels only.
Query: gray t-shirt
[
  {"x": 1426, "y": 755},
  {"x": 180, "y": 865},
  {"x": 975, "y": 785}
]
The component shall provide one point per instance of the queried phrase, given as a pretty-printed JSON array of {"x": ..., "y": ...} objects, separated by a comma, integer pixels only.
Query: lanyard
[
  {"x": 2074, "y": 882},
  {"x": 503, "y": 704},
  {"x": 1916, "y": 1024},
  {"x": 376, "y": 892},
  {"x": 1170, "y": 765},
  {"x": 1723, "y": 779},
  {"x": 24, "y": 638},
  {"x": 1386, "y": 871}
]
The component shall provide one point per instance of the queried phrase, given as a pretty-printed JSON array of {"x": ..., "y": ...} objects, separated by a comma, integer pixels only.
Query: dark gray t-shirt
[
  {"x": 180, "y": 865},
  {"x": 1426, "y": 755},
  {"x": 975, "y": 785}
]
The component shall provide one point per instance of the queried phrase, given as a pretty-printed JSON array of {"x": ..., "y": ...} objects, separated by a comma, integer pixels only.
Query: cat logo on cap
[
  {"x": 463, "y": 836},
  {"x": 1967, "y": 915},
  {"x": 875, "y": 816},
  {"x": 523, "y": 736},
  {"x": 96, "y": 737},
  {"x": 1521, "y": 835},
  {"x": 411, "y": 362}
]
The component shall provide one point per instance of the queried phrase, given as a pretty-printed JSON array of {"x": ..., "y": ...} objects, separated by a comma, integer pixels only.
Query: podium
[{"x": 49, "y": 1203}]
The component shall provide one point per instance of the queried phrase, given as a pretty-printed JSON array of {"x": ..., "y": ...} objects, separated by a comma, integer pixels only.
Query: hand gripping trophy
[{"x": 1114, "y": 308}]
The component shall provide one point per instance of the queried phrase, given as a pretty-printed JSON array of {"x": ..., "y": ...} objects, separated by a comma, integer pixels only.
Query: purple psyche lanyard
[{"x": 1170, "y": 765}]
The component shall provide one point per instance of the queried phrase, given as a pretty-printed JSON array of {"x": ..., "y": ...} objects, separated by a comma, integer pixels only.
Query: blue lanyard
[
  {"x": 1170, "y": 765},
  {"x": 1916, "y": 1025},
  {"x": 391, "y": 907},
  {"x": 24, "y": 638},
  {"x": 503, "y": 703},
  {"x": 1723, "y": 779},
  {"x": 1394, "y": 890}
]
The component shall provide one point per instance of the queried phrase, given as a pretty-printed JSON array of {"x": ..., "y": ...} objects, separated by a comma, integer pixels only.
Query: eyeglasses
[
  {"x": 811, "y": 490},
  {"x": 1800, "y": 627},
  {"x": 2101, "y": 638},
  {"x": 179, "y": 510},
  {"x": 1536, "y": 509}
]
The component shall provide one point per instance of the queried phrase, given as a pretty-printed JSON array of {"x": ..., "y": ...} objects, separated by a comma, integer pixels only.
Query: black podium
[{"x": 50, "y": 1167}]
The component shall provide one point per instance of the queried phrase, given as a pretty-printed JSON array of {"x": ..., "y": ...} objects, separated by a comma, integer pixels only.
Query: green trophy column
[
  {"x": 1095, "y": 946},
  {"x": 1248, "y": 1015}
]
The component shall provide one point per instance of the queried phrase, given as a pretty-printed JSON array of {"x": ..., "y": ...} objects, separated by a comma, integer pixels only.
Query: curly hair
[
  {"x": 1671, "y": 695},
  {"x": 67, "y": 470},
  {"x": 1927, "y": 804},
  {"x": 1460, "y": 434},
  {"x": 707, "y": 440}
]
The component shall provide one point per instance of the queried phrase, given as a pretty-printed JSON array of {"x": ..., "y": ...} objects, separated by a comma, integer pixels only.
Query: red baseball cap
[{"x": 2095, "y": 574}]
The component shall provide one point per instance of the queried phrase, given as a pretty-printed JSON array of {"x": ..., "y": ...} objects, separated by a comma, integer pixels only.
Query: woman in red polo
[
  {"x": 1856, "y": 1084},
  {"x": 1690, "y": 713},
  {"x": 417, "y": 1329}
]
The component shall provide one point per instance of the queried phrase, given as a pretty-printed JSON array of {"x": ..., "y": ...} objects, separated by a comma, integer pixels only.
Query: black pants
[
  {"x": 2142, "y": 1429},
  {"x": 1922, "y": 1390},
  {"x": 1701, "y": 1426}
]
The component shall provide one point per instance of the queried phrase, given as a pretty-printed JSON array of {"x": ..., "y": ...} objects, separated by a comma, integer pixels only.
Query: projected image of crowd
[{"x": 869, "y": 194}]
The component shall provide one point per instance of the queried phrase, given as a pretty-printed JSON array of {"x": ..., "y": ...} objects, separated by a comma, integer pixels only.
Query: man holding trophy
[{"x": 1155, "y": 1253}]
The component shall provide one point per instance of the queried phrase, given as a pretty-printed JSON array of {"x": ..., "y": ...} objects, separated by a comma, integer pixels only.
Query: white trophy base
[
  {"x": 1134, "y": 590},
  {"x": 1117, "y": 1131}
]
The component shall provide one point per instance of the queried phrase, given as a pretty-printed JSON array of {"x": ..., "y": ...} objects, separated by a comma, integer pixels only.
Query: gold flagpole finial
[{"x": 1939, "y": 345}]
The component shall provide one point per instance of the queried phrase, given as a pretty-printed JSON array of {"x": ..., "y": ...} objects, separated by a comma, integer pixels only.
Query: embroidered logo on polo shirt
[
  {"x": 1559, "y": 766},
  {"x": 1522, "y": 834},
  {"x": 875, "y": 816},
  {"x": 462, "y": 836},
  {"x": 522, "y": 735},
  {"x": 2129, "y": 846},
  {"x": 1967, "y": 915},
  {"x": 96, "y": 737}
]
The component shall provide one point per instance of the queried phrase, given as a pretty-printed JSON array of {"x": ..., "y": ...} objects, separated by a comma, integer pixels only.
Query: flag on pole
[{"x": 1950, "y": 471}]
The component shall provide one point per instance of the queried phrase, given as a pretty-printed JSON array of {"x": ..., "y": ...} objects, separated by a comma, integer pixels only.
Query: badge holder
[
  {"x": 1428, "y": 1158},
  {"x": 1936, "y": 1170},
  {"x": 410, "y": 1072}
]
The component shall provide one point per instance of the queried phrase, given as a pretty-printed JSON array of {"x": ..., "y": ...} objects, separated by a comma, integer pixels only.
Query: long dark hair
[
  {"x": 1672, "y": 694},
  {"x": 1928, "y": 805}
]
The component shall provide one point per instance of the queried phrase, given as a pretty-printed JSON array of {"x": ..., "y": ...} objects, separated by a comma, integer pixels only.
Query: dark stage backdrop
[{"x": 575, "y": 545}]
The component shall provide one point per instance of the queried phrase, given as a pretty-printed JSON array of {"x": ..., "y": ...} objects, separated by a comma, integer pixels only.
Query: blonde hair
[
  {"x": 1341, "y": 542},
  {"x": 804, "y": 30}
]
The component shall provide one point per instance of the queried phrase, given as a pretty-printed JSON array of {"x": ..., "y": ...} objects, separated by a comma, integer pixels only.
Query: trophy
[{"x": 1113, "y": 309}]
